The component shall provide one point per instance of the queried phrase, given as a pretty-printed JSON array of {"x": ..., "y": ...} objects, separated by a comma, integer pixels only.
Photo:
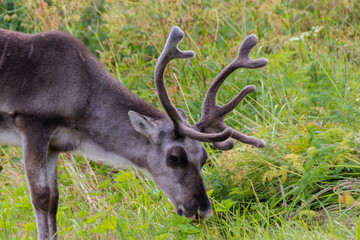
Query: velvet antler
[
  {"x": 211, "y": 127},
  {"x": 170, "y": 52},
  {"x": 213, "y": 115}
]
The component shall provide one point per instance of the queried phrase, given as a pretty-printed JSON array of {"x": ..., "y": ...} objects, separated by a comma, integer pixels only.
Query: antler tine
[
  {"x": 243, "y": 60},
  {"x": 248, "y": 140},
  {"x": 170, "y": 52},
  {"x": 213, "y": 115},
  {"x": 230, "y": 143},
  {"x": 225, "y": 145},
  {"x": 225, "y": 109}
]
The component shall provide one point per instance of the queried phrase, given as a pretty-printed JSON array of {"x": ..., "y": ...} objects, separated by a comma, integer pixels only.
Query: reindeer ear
[
  {"x": 182, "y": 114},
  {"x": 145, "y": 125}
]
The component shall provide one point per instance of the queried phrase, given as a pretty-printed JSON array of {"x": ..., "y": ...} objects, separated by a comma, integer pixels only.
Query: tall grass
[{"x": 304, "y": 184}]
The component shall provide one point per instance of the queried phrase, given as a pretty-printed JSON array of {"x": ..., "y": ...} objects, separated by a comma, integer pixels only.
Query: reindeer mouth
[
  {"x": 182, "y": 212},
  {"x": 196, "y": 216}
]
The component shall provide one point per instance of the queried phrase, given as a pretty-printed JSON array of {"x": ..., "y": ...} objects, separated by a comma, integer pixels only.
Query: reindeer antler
[
  {"x": 211, "y": 127},
  {"x": 212, "y": 116},
  {"x": 170, "y": 52}
]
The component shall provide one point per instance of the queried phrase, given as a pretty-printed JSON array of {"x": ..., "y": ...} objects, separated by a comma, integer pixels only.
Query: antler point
[
  {"x": 252, "y": 38},
  {"x": 177, "y": 32},
  {"x": 252, "y": 87},
  {"x": 261, "y": 144}
]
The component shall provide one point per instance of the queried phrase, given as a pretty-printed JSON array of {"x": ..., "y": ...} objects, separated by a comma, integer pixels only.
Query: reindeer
[{"x": 56, "y": 97}]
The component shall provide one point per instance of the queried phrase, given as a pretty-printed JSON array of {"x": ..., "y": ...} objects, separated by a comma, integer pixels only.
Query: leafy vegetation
[{"x": 303, "y": 185}]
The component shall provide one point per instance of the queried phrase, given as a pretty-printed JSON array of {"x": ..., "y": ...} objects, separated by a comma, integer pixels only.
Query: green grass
[{"x": 304, "y": 185}]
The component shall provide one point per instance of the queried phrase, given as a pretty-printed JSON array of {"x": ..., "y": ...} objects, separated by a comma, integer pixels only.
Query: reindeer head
[{"x": 177, "y": 155}]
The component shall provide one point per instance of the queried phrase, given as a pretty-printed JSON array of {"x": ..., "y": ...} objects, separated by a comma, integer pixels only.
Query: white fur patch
[
  {"x": 9, "y": 137},
  {"x": 84, "y": 146},
  {"x": 98, "y": 154}
]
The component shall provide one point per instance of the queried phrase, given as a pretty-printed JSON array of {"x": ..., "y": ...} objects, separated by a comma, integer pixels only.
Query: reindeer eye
[
  {"x": 176, "y": 157},
  {"x": 174, "y": 160}
]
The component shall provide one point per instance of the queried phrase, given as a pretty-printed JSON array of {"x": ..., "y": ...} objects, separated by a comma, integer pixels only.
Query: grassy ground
[{"x": 304, "y": 185}]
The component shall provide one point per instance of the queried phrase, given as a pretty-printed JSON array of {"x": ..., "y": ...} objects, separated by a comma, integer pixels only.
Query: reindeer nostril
[{"x": 180, "y": 212}]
